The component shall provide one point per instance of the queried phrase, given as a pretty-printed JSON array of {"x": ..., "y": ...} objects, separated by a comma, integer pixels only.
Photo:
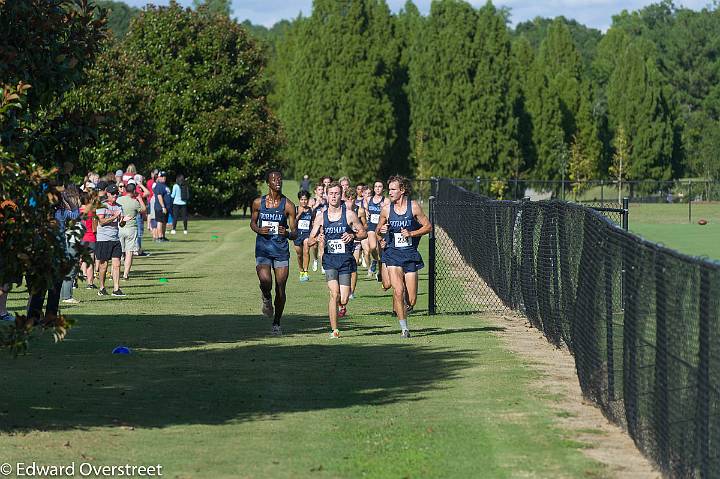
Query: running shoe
[
  {"x": 304, "y": 277},
  {"x": 409, "y": 308},
  {"x": 405, "y": 334},
  {"x": 7, "y": 317},
  {"x": 173, "y": 232},
  {"x": 70, "y": 301},
  {"x": 102, "y": 292},
  {"x": 267, "y": 307},
  {"x": 144, "y": 253},
  {"x": 364, "y": 263},
  {"x": 322, "y": 270},
  {"x": 119, "y": 293},
  {"x": 314, "y": 265},
  {"x": 335, "y": 334},
  {"x": 352, "y": 296},
  {"x": 184, "y": 232},
  {"x": 373, "y": 266},
  {"x": 276, "y": 330},
  {"x": 342, "y": 312},
  {"x": 91, "y": 286}
]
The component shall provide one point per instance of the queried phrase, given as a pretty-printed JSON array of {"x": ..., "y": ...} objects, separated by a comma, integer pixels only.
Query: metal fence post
[
  {"x": 690, "y": 201},
  {"x": 602, "y": 193},
  {"x": 703, "y": 379},
  {"x": 432, "y": 259},
  {"x": 626, "y": 213},
  {"x": 433, "y": 186}
]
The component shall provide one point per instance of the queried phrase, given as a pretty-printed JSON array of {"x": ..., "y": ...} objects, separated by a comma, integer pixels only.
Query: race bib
[
  {"x": 273, "y": 225},
  {"x": 375, "y": 218},
  {"x": 304, "y": 225},
  {"x": 336, "y": 246},
  {"x": 401, "y": 241}
]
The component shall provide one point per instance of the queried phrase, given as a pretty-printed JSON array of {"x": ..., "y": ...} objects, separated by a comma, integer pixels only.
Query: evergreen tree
[
  {"x": 338, "y": 110},
  {"x": 496, "y": 128},
  {"x": 523, "y": 58},
  {"x": 637, "y": 101},
  {"x": 119, "y": 16},
  {"x": 460, "y": 93}
]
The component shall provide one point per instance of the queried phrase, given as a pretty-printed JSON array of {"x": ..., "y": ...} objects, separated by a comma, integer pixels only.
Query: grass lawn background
[{"x": 208, "y": 392}]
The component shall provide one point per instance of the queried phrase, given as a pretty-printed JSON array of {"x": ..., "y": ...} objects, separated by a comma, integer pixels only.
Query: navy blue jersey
[
  {"x": 373, "y": 212},
  {"x": 338, "y": 254},
  {"x": 401, "y": 251},
  {"x": 272, "y": 246},
  {"x": 304, "y": 225}
]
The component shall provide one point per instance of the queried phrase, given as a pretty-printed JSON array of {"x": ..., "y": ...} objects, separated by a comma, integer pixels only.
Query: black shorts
[
  {"x": 89, "y": 244},
  {"x": 160, "y": 217},
  {"x": 106, "y": 250}
]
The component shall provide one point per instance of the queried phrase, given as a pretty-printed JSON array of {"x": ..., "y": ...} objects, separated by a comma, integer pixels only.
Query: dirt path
[{"x": 606, "y": 442}]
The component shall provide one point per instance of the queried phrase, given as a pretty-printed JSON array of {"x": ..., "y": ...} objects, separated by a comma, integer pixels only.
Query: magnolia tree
[
  {"x": 185, "y": 91},
  {"x": 45, "y": 46}
]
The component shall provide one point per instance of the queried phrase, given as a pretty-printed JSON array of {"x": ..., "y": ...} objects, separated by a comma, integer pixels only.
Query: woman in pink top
[{"x": 88, "y": 240}]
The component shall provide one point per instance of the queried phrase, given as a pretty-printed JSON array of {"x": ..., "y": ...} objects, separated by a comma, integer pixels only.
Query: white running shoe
[
  {"x": 184, "y": 232},
  {"x": 314, "y": 265},
  {"x": 405, "y": 334},
  {"x": 276, "y": 331},
  {"x": 335, "y": 334},
  {"x": 70, "y": 301},
  {"x": 322, "y": 270},
  {"x": 267, "y": 308},
  {"x": 172, "y": 232}
]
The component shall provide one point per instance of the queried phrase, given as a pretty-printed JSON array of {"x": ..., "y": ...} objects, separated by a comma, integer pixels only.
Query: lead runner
[
  {"x": 404, "y": 222},
  {"x": 337, "y": 227},
  {"x": 275, "y": 214}
]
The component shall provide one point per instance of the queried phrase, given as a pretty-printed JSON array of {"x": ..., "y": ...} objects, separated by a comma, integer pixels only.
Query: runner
[
  {"x": 275, "y": 214},
  {"x": 351, "y": 203},
  {"x": 337, "y": 227},
  {"x": 304, "y": 215},
  {"x": 404, "y": 222},
  {"x": 374, "y": 207},
  {"x": 318, "y": 203}
]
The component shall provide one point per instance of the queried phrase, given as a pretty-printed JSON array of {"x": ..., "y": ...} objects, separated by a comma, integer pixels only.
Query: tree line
[{"x": 361, "y": 91}]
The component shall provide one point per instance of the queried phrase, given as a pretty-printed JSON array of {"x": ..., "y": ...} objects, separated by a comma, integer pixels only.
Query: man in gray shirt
[{"x": 108, "y": 246}]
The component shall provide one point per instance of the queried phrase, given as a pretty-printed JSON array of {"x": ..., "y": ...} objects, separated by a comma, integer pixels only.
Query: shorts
[
  {"x": 409, "y": 266},
  {"x": 299, "y": 240},
  {"x": 106, "y": 250},
  {"x": 89, "y": 245},
  {"x": 128, "y": 239},
  {"x": 275, "y": 264},
  {"x": 160, "y": 217},
  {"x": 343, "y": 264},
  {"x": 345, "y": 279}
]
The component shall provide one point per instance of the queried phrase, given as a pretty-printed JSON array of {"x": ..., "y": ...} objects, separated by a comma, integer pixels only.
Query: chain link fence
[{"x": 642, "y": 321}]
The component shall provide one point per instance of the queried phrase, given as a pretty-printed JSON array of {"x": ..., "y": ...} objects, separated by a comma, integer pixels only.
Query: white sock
[{"x": 403, "y": 324}]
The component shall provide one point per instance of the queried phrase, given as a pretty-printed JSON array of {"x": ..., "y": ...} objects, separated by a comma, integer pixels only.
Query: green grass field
[
  {"x": 668, "y": 224},
  {"x": 208, "y": 393}
]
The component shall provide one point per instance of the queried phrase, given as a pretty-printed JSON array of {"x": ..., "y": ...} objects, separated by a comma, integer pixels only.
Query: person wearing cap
[
  {"x": 132, "y": 206},
  {"x": 108, "y": 246},
  {"x": 163, "y": 201},
  {"x": 119, "y": 176},
  {"x": 180, "y": 195}
]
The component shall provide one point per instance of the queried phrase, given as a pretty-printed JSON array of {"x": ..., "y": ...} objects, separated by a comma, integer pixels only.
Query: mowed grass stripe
[{"x": 209, "y": 393}]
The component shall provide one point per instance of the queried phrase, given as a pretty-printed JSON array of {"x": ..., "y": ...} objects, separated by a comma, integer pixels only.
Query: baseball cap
[
  {"x": 162, "y": 173},
  {"x": 131, "y": 181},
  {"x": 119, "y": 173},
  {"x": 112, "y": 189}
]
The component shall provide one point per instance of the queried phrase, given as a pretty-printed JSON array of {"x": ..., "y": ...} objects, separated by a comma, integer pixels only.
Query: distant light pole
[{"x": 563, "y": 166}]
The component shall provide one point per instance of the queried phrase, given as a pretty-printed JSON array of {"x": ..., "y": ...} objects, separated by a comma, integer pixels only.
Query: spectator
[
  {"x": 132, "y": 205},
  {"x": 72, "y": 234},
  {"x": 146, "y": 195},
  {"x": 163, "y": 200},
  {"x": 119, "y": 177},
  {"x": 152, "y": 224},
  {"x": 4, "y": 314},
  {"x": 89, "y": 239},
  {"x": 108, "y": 246},
  {"x": 180, "y": 196},
  {"x": 305, "y": 184},
  {"x": 129, "y": 173}
]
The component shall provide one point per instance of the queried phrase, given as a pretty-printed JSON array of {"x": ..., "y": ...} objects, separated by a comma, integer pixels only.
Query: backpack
[{"x": 184, "y": 192}]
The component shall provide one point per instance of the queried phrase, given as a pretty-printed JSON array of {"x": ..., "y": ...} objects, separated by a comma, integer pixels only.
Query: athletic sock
[{"x": 403, "y": 324}]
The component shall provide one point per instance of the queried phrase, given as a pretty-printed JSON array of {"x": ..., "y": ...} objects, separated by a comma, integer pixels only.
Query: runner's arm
[
  {"x": 255, "y": 212},
  {"x": 356, "y": 225},
  {"x": 317, "y": 224},
  {"x": 419, "y": 215},
  {"x": 292, "y": 223}
]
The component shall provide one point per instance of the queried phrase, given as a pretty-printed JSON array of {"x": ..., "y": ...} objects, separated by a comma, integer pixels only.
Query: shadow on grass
[{"x": 211, "y": 369}]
